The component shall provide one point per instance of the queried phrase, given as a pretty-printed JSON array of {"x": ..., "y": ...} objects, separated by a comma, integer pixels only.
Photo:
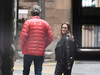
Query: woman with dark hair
[{"x": 64, "y": 51}]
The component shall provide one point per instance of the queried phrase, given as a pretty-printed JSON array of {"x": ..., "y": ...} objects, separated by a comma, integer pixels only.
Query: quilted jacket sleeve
[
  {"x": 68, "y": 51},
  {"x": 24, "y": 34},
  {"x": 49, "y": 37}
]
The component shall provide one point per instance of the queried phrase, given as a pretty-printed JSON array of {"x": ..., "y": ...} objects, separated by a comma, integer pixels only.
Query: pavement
[{"x": 79, "y": 68}]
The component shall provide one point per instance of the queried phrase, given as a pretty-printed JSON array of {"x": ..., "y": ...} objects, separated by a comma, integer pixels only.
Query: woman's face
[{"x": 64, "y": 29}]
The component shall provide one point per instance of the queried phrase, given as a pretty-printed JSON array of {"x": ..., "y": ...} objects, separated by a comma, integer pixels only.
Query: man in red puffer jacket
[{"x": 35, "y": 36}]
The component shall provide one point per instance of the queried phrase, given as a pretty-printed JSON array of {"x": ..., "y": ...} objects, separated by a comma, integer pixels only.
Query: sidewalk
[{"x": 79, "y": 68}]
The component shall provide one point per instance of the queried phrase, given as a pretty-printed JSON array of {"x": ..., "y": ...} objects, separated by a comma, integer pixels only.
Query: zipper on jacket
[{"x": 26, "y": 49}]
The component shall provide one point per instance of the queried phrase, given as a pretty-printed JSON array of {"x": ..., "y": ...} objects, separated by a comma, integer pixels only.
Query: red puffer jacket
[{"x": 35, "y": 36}]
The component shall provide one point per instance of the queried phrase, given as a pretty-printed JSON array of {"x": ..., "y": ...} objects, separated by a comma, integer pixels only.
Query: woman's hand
[{"x": 69, "y": 67}]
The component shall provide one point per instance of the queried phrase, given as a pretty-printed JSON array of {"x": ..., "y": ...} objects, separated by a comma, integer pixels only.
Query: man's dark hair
[{"x": 35, "y": 11}]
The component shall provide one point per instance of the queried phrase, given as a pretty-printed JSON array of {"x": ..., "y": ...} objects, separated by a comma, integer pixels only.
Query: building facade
[{"x": 55, "y": 13}]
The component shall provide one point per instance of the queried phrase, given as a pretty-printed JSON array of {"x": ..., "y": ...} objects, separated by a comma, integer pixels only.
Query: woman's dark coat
[{"x": 64, "y": 50}]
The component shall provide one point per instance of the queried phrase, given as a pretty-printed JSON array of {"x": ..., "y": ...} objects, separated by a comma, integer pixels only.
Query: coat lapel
[{"x": 60, "y": 43}]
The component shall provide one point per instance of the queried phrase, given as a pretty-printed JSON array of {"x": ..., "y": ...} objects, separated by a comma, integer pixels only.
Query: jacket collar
[
  {"x": 61, "y": 41},
  {"x": 35, "y": 17}
]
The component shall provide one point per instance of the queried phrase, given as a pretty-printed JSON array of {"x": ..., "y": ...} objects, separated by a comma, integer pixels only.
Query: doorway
[{"x": 86, "y": 26}]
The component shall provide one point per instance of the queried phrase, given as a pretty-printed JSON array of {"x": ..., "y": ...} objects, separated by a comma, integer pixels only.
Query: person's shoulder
[
  {"x": 38, "y": 20},
  {"x": 67, "y": 38},
  {"x": 31, "y": 20},
  {"x": 44, "y": 21}
]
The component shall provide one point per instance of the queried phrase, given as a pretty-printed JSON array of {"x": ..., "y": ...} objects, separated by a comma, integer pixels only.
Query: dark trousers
[
  {"x": 61, "y": 68},
  {"x": 38, "y": 61}
]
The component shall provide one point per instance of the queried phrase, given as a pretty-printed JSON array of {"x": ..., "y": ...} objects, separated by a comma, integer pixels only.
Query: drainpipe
[{"x": 42, "y": 5}]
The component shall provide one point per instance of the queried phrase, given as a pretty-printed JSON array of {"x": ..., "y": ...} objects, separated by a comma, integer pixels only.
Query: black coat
[{"x": 64, "y": 50}]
